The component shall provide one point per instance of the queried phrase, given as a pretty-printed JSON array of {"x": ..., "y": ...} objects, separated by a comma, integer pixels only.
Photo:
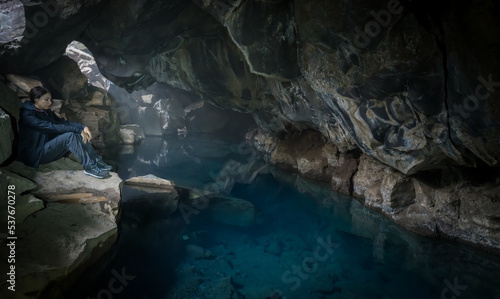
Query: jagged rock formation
[{"x": 397, "y": 87}]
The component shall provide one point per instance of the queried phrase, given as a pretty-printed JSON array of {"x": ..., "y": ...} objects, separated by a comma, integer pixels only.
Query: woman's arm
[
  {"x": 63, "y": 121},
  {"x": 29, "y": 119}
]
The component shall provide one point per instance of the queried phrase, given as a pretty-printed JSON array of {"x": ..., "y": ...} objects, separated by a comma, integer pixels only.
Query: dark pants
[{"x": 58, "y": 147}]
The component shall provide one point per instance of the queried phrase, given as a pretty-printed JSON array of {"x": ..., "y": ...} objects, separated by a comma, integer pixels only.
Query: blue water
[{"x": 308, "y": 242}]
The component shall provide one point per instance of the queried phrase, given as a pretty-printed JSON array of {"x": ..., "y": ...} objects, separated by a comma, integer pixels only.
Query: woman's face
[{"x": 44, "y": 101}]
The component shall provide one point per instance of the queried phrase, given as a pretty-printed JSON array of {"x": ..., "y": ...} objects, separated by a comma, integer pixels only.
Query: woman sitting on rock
[{"x": 45, "y": 137}]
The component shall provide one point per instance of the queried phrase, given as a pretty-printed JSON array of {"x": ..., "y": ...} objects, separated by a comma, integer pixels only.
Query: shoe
[
  {"x": 96, "y": 171},
  {"x": 102, "y": 165}
]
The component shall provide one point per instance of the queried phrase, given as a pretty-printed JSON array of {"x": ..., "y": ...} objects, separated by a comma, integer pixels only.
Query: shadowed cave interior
[{"x": 260, "y": 149}]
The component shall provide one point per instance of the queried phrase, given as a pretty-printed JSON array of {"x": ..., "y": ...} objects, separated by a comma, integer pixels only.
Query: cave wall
[
  {"x": 405, "y": 87},
  {"x": 410, "y": 84}
]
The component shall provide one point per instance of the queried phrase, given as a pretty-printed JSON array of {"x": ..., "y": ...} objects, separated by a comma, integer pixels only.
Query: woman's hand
[
  {"x": 86, "y": 135},
  {"x": 87, "y": 131}
]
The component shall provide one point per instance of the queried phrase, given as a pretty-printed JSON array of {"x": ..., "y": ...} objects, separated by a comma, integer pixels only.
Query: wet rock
[
  {"x": 417, "y": 218},
  {"x": 366, "y": 185},
  {"x": 152, "y": 182},
  {"x": 232, "y": 211},
  {"x": 131, "y": 134},
  {"x": 304, "y": 153}
]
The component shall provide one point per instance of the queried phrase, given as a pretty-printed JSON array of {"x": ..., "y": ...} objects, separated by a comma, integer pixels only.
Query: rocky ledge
[
  {"x": 65, "y": 221},
  {"x": 459, "y": 203}
]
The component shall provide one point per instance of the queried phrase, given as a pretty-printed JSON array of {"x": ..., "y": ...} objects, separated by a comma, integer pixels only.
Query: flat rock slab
[{"x": 76, "y": 187}]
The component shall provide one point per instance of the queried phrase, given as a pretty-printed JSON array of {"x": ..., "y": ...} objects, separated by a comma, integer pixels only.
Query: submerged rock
[{"x": 232, "y": 211}]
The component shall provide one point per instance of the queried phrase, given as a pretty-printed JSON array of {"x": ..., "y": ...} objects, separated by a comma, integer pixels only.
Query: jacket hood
[{"x": 29, "y": 105}]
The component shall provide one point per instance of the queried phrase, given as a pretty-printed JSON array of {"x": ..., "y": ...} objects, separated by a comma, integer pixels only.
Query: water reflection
[{"x": 285, "y": 254}]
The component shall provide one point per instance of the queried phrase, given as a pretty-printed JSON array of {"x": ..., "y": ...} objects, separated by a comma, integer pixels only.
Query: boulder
[
  {"x": 366, "y": 185},
  {"x": 76, "y": 187},
  {"x": 131, "y": 134},
  {"x": 151, "y": 182}
]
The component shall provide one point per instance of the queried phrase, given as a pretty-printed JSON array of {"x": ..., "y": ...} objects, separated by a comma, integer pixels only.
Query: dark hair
[{"x": 37, "y": 92}]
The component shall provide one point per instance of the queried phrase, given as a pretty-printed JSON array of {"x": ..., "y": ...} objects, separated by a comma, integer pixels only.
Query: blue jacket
[{"x": 36, "y": 127}]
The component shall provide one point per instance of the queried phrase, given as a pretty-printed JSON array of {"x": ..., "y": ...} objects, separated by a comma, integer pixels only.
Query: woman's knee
[{"x": 73, "y": 137}]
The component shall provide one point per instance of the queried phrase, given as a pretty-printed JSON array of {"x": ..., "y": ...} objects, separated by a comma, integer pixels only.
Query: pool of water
[{"x": 307, "y": 242}]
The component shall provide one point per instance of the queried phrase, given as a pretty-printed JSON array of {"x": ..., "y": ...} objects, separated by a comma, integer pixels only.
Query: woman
[{"x": 45, "y": 137}]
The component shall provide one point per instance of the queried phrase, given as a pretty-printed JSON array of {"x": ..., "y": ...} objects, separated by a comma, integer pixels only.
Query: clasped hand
[{"x": 86, "y": 135}]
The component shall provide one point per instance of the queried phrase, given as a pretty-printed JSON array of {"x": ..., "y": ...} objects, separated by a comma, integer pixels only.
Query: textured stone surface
[
  {"x": 60, "y": 185},
  {"x": 131, "y": 134},
  {"x": 59, "y": 241},
  {"x": 153, "y": 182},
  {"x": 21, "y": 84},
  {"x": 9, "y": 101},
  {"x": 232, "y": 211},
  {"x": 7, "y": 136},
  {"x": 59, "y": 23}
]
